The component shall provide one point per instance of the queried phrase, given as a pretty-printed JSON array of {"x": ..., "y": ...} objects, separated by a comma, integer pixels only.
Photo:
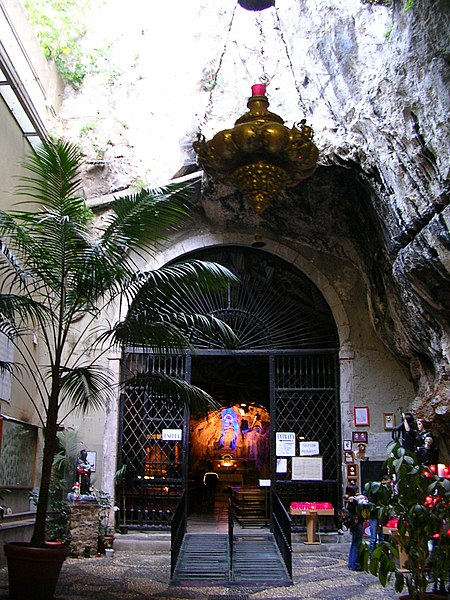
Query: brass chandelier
[{"x": 260, "y": 156}]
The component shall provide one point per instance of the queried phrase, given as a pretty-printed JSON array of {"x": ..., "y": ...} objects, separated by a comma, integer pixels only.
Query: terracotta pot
[
  {"x": 54, "y": 544},
  {"x": 33, "y": 572}
]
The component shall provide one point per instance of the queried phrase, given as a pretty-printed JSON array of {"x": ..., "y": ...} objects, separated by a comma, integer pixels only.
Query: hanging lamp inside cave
[{"x": 260, "y": 156}]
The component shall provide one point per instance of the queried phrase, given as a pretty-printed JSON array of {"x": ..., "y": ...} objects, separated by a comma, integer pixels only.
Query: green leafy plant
[
  {"x": 57, "y": 526},
  {"x": 59, "y": 26},
  {"x": 59, "y": 277},
  {"x": 421, "y": 503}
]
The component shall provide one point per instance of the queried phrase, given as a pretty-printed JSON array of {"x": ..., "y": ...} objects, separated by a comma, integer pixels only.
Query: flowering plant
[{"x": 421, "y": 503}]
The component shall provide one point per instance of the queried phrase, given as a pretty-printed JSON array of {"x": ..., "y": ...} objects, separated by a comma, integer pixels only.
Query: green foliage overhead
[{"x": 60, "y": 26}]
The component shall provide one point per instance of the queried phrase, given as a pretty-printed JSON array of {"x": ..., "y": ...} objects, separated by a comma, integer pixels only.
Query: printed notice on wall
[
  {"x": 285, "y": 443},
  {"x": 309, "y": 448},
  {"x": 171, "y": 435},
  {"x": 281, "y": 465},
  {"x": 307, "y": 468}
]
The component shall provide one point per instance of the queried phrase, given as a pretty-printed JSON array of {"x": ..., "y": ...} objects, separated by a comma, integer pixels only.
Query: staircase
[{"x": 204, "y": 560}]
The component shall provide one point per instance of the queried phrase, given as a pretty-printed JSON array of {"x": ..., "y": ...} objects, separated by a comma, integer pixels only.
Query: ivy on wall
[{"x": 60, "y": 26}]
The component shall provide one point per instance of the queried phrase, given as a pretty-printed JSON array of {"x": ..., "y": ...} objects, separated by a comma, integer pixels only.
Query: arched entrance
[{"x": 286, "y": 363}]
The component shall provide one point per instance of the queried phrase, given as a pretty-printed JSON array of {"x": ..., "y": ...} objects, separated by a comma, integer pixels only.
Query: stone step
[{"x": 148, "y": 542}]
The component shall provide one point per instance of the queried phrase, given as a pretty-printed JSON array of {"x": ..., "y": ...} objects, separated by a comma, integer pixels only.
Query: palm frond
[
  {"x": 160, "y": 301},
  {"x": 141, "y": 221},
  {"x": 166, "y": 386},
  {"x": 85, "y": 387},
  {"x": 56, "y": 175},
  {"x": 6, "y": 367},
  {"x": 16, "y": 309}
]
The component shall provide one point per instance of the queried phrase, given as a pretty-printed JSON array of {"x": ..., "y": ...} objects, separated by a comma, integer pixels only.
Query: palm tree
[{"x": 59, "y": 274}]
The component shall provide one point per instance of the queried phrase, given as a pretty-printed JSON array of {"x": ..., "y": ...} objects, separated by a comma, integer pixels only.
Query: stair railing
[
  {"x": 230, "y": 534},
  {"x": 177, "y": 531},
  {"x": 281, "y": 524}
]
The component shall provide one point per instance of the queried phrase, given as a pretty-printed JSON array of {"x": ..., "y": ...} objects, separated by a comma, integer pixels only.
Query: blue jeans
[
  {"x": 373, "y": 523},
  {"x": 357, "y": 536}
]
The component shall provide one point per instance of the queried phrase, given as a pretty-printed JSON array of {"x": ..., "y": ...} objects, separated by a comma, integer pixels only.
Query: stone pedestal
[{"x": 84, "y": 526}]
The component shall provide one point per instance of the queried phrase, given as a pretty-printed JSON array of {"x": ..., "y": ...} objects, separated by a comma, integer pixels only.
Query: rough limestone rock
[
  {"x": 372, "y": 80},
  {"x": 84, "y": 526}
]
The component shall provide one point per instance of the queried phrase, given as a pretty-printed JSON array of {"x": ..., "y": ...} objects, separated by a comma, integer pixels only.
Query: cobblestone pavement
[{"x": 133, "y": 575}]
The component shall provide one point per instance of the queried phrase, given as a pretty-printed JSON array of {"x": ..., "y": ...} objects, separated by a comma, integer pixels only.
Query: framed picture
[
  {"x": 352, "y": 471},
  {"x": 359, "y": 437},
  {"x": 349, "y": 457},
  {"x": 361, "y": 416},
  {"x": 92, "y": 460},
  {"x": 352, "y": 481},
  {"x": 389, "y": 421},
  {"x": 347, "y": 445}
]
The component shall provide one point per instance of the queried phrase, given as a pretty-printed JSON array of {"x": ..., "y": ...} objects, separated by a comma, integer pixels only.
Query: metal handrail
[
  {"x": 281, "y": 523},
  {"x": 177, "y": 531},
  {"x": 230, "y": 534}
]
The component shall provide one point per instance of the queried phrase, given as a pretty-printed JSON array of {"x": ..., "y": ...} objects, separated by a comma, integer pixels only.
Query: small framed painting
[
  {"x": 347, "y": 445},
  {"x": 361, "y": 416},
  {"x": 389, "y": 421},
  {"x": 352, "y": 471},
  {"x": 359, "y": 437},
  {"x": 349, "y": 457}
]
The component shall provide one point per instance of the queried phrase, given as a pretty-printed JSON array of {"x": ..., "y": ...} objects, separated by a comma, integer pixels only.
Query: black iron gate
[
  {"x": 277, "y": 312},
  {"x": 153, "y": 442},
  {"x": 306, "y": 402}
]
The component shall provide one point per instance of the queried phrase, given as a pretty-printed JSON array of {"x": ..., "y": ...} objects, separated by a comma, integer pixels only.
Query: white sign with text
[
  {"x": 285, "y": 443},
  {"x": 171, "y": 435}
]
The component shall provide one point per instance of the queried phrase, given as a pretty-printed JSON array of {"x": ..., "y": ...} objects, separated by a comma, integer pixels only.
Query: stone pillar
[
  {"x": 84, "y": 526},
  {"x": 346, "y": 358}
]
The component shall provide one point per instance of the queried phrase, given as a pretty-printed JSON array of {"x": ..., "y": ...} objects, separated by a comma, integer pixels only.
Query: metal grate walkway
[
  {"x": 205, "y": 560},
  {"x": 256, "y": 560}
]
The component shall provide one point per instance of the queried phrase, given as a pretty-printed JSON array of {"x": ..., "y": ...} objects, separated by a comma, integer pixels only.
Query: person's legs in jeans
[
  {"x": 373, "y": 524},
  {"x": 357, "y": 535}
]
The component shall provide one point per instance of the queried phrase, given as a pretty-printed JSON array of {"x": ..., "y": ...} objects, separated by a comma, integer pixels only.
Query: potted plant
[
  {"x": 105, "y": 529},
  {"x": 57, "y": 530},
  {"x": 421, "y": 504},
  {"x": 57, "y": 270}
]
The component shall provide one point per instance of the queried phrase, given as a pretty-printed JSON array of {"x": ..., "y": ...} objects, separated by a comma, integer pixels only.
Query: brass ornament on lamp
[{"x": 260, "y": 156}]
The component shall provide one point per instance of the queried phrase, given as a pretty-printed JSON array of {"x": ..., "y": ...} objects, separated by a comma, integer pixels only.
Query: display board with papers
[{"x": 307, "y": 468}]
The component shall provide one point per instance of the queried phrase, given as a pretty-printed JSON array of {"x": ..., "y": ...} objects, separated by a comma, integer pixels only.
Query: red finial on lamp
[{"x": 259, "y": 89}]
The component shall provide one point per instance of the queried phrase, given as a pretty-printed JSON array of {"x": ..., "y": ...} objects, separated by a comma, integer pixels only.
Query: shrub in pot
[
  {"x": 56, "y": 269},
  {"x": 421, "y": 503}
]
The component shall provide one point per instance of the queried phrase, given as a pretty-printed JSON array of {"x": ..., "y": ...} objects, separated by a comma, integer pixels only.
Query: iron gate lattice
[
  {"x": 276, "y": 311},
  {"x": 155, "y": 468},
  {"x": 306, "y": 402}
]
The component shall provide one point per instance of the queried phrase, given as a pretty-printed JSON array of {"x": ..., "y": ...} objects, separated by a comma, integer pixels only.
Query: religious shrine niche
[{"x": 235, "y": 440}]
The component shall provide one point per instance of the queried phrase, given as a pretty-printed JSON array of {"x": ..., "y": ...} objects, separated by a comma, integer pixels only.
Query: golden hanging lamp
[{"x": 260, "y": 156}]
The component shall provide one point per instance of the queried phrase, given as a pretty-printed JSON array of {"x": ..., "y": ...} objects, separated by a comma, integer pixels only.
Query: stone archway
[{"x": 274, "y": 310}]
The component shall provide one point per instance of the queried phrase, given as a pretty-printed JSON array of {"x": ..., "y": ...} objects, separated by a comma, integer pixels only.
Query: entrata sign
[
  {"x": 285, "y": 443},
  {"x": 171, "y": 435}
]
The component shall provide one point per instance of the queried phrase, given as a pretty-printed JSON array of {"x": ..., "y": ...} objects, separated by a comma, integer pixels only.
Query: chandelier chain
[
  {"x": 262, "y": 54},
  {"x": 215, "y": 77},
  {"x": 301, "y": 104}
]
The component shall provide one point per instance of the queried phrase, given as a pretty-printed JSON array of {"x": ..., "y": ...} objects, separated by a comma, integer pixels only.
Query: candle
[
  {"x": 441, "y": 470},
  {"x": 259, "y": 89}
]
